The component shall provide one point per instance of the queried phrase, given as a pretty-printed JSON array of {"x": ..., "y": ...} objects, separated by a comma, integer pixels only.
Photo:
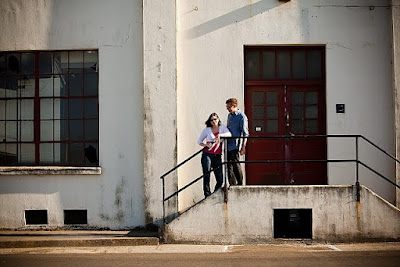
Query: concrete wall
[
  {"x": 248, "y": 215},
  {"x": 113, "y": 199},
  {"x": 358, "y": 39}
]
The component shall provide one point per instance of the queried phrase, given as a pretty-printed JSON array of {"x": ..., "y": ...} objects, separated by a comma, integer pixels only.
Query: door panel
[{"x": 286, "y": 110}]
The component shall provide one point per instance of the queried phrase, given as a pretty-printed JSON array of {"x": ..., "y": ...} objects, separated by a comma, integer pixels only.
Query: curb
[{"x": 98, "y": 242}]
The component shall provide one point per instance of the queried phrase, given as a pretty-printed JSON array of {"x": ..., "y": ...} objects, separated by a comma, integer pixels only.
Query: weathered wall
[
  {"x": 113, "y": 199},
  {"x": 396, "y": 84},
  {"x": 248, "y": 215},
  {"x": 211, "y": 37},
  {"x": 160, "y": 126}
]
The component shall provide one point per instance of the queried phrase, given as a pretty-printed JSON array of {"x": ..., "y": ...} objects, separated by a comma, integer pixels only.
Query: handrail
[{"x": 356, "y": 160}]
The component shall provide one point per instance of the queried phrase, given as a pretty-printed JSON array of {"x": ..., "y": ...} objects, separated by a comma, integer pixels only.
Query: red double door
[{"x": 278, "y": 110}]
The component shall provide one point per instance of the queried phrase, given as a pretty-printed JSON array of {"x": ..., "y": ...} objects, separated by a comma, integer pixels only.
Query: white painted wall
[
  {"x": 211, "y": 37},
  {"x": 113, "y": 199}
]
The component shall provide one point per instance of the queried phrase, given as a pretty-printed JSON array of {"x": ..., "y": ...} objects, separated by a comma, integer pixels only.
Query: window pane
[
  {"x": 12, "y": 83},
  {"x": 60, "y": 85},
  {"x": 258, "y": 112},
  {"x": 2, "y": 86},
  {"x": 76, "y": 154},
  {"x": 2, "y": 131},
  {"x": 46, "y": 153},
  {"x": 272, "y": 98},
  {"x": 61, "y": 154},
  {"x": 46, "y": 109},
  {"x": 11, "y": 154},
  {"x": 257, "y": 98},
  {"x": 299, "y": 64},
  {"x": 91, "y": 154},
  {"x": 297, "y": 126},
  {"x": 297, "y": 112},
  {"x": 3, "y": 153},
  {"x": 91, "y": 108},
  {"x": 46, "y": 62},
  {"x": 283, "y": 58},
  {"x": 312, "y": 98},
  {"x": 2, "y": 110},
  {"x": 91, "y": 130},
  {"x": 46, "y": 130},
  {"x": 76, "y": 129},
  {"x": 75, "y": 84},
  {"x": 27, "y": 86},
  {"x": 60, "y": 130},
  {"x": 253, "y": 64},
  {"x": 76, "y": 108},
  {"x": 11, "y": 109},
  {"x": 28, "y": 63},
  {"x": 297, "y": 98},
  {"x": 46, "y": 86},
  {"x": 268, "y": 64},
  {"x": 272, "y": 112},
  {"x": 60, "y": 108},
  {"x": 60, "y": 62},
  {"x": 11, "y": 131},
  {"x": 272, "y": 126},
  {"x": 311, "y": 126},
  {"x": 314, "y": 64},
  {"x": 13, "y": 64},
  {"x": 311, "y": 112},
  {"x": 27, "y": 154},
  {"x": 91, "y": 63},
  {"x": 3, "y": 65},
  {"x": 27, "y": 131},
  {"x": 91, "y": 85},
  {"x": 26, "y": 109},
  {"x": 76, "y": 62}
]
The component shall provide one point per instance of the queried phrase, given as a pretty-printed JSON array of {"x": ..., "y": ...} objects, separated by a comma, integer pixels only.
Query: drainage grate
[
  {"x": 292, "y": 223},
  {"x": 75, "y": 216},
  {"x": 35, "y": 217}
]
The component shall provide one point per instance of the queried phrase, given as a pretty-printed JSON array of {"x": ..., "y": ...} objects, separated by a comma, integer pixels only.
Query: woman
[{"x": 211, "y": 157}]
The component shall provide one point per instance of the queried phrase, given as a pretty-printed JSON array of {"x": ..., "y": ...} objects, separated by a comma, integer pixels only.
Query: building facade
[{"x": 101, "y": 98}]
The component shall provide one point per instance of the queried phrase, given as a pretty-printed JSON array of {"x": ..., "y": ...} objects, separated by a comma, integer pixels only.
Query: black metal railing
[{"x": 355, "y": 160}]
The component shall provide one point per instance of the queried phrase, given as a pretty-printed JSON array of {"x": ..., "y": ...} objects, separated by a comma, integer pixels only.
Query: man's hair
[{"x": 232, "y": 101}]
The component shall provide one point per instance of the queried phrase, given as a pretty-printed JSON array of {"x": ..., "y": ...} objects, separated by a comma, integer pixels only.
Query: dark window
[
  {"x": 283, "y": 63},
  {"x": 36, "y": 217},
  {"x": 292, "y": 223},
  {"x": 75, "y": 216},
  {"x": 49, "y": 108}
]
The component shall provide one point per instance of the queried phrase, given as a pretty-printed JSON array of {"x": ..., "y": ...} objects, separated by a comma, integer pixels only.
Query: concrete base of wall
[{"x": 248, "y": 216}]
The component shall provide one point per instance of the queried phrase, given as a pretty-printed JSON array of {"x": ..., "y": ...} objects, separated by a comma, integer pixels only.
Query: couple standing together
[{"x": 237, "y": 126}]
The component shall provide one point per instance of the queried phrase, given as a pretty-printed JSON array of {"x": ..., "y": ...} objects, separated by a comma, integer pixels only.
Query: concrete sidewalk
[{"x": 75, "y": 238}]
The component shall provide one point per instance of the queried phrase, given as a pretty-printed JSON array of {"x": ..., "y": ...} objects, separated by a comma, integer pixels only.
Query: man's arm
[{"x": 245, "y": 132}]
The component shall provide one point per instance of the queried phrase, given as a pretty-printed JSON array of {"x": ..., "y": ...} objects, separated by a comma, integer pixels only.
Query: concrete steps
[{"x": 248, "y": 216}]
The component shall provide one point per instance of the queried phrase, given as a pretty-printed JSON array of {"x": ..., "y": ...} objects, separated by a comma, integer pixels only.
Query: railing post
[
  {"x": 163, "y": 200},
  {"x": 357, "y": 173}
]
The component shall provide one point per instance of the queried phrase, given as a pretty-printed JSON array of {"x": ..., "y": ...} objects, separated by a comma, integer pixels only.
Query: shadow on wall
[{"x": 235, "y": 16}]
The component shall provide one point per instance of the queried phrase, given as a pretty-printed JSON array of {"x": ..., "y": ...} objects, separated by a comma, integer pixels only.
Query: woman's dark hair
[{"x": 208, "y": 121}]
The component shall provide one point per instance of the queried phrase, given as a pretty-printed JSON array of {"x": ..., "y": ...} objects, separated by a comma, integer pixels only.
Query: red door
[{"x": 278, "y": 110}]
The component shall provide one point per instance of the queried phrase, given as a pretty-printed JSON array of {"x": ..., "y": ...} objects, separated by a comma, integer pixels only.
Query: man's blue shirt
[{"x": 238, "y": 125}]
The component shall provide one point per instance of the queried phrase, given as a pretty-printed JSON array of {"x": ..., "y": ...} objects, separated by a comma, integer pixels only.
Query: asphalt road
[{"x": 181, "y": 255}]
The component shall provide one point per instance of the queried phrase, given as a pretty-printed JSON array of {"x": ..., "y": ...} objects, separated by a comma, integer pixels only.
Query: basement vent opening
[
  {"x": 34, "y": 217},
  {"x": 293, "y": 223},
  {"x": 75, "y": 216}
]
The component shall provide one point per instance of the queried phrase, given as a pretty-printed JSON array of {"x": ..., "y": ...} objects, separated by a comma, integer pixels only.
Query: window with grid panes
[{"x": 49, "y": 108}]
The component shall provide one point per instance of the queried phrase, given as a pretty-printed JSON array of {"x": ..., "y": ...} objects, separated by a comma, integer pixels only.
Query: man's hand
[{"x": 243, "y": 151}]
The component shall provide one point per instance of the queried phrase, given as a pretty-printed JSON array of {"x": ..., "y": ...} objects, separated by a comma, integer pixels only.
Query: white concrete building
[{"x": 155, "y": 70}]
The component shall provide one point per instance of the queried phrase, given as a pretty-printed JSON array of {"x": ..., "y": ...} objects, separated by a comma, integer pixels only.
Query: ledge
[{"x": 52, "y": 170}]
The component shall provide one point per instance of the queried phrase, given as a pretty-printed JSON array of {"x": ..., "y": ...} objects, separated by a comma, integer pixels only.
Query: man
[{"x": 238, "y": 125}]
